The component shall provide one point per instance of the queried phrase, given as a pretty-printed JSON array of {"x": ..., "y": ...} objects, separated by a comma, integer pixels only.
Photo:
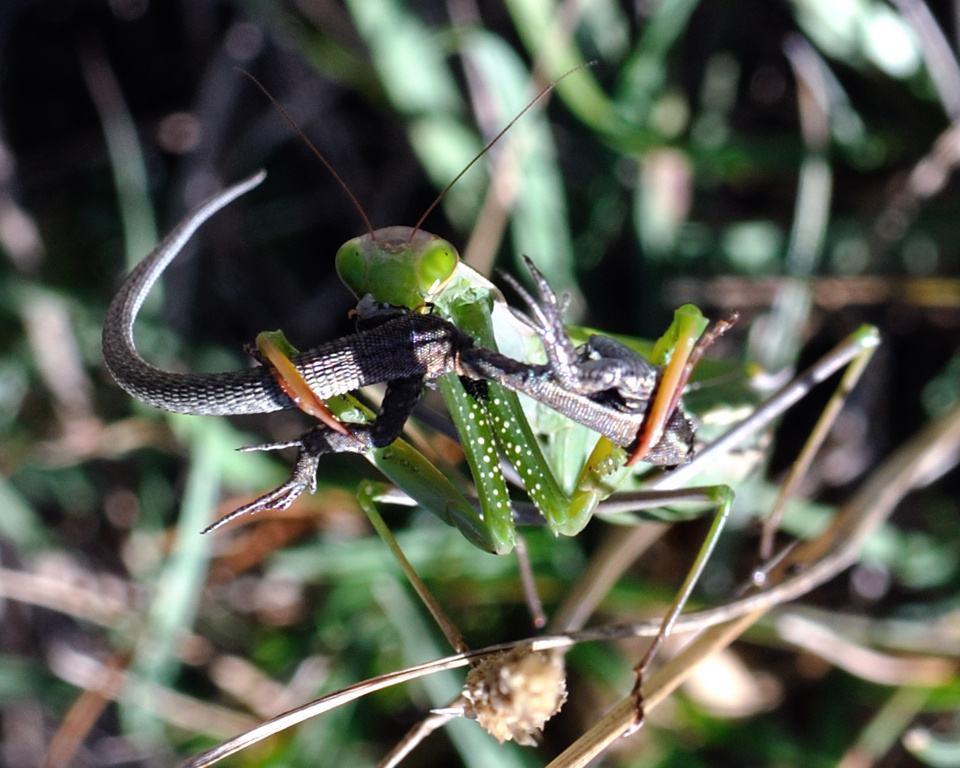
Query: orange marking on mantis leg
[
  {"x": 671, "y": 384},
  {"x": 686, "y": 355},
  {"x": 293, "y": 383}
]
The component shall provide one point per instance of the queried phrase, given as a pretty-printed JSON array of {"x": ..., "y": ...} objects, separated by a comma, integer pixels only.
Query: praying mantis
[
  {"x": 405, "y": 279},
  {"x": 602, "y": 384}
]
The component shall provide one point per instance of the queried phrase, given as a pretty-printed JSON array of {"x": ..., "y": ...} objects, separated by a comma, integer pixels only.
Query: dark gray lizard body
[{"x": 602, "y": 384}]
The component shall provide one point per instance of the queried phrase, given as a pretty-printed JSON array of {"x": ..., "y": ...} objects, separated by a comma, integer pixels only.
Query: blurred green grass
[{"x": 679, "y": 157}]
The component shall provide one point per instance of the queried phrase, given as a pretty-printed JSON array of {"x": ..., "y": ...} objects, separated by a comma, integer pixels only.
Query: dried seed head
[{"x": 513, "y": 693}]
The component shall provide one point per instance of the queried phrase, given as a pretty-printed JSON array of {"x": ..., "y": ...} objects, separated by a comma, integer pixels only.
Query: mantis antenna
[
  {"x": 343, "y": 184},
  {"x": 543, "y": 92},
  {"x": 317, "y": 152}
]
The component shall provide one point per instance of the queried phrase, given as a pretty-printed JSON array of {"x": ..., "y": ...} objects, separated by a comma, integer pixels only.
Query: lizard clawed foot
[
  {"x": 313, "y": 444},
  {"x": 547, "y": 321},
  {"x": 279, "y": 498},
  {"x": 601, "y": 365}
]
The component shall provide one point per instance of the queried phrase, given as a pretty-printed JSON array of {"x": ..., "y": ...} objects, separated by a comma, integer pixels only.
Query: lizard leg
[
  {"x": 398, "y": 401},
  {"x": 605, "y": 371}
]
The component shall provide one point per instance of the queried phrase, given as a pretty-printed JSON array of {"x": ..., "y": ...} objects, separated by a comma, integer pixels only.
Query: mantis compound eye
[{"x": 435, "y": 266}]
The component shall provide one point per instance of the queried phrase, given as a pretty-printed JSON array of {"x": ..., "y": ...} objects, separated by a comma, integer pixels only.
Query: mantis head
[{"x": 400, "y": 266}]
